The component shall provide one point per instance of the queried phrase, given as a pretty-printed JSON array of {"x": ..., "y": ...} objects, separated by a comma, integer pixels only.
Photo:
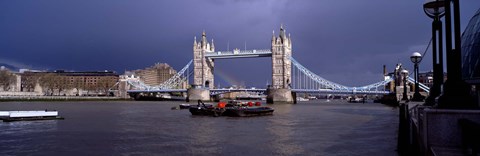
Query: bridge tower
[
  {"x": 279, "y": 91},
  {"x": 202, "y": 69}
]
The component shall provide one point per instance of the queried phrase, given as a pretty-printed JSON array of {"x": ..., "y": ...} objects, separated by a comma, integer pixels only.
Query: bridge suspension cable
[
  {"x": 172, "y": 83},
  {"x": 302, "y": 78},
  {"x": 420, "y": 85}
]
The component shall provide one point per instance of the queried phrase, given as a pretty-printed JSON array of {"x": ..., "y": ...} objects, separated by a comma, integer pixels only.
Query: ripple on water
[{"x": 152, "y": 128}]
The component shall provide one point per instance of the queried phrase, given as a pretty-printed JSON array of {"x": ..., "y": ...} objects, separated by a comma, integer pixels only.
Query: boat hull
[
  {"x": 248, "y": 111},
  {"x": 184, "y": 106},
  {"x": 9, "y": 119},
  {"x": 206, "y": 111},
  {"x": 232, "y": 109}
]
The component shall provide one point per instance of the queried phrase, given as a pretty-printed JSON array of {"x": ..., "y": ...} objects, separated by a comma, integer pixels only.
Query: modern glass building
[{"x": 471, "y": 50}]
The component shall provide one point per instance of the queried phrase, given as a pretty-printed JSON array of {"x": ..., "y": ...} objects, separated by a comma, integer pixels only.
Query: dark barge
[{"x": 233, "y": 109}]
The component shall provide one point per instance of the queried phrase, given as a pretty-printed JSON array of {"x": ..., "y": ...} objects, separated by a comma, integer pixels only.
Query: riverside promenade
[
  {"x": 426, "y": 130},
  {"x": 59, "y": 98},
  {"x": 36, "y": 96}
]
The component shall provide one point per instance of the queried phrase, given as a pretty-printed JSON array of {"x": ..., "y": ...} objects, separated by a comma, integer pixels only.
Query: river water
[{"x": 152, "y": 128}]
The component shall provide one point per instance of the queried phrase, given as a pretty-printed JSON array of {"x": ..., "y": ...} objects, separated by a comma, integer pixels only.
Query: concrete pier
[
  {"x": 279, "y": 96},
  {"x": 194, "y": 94}
]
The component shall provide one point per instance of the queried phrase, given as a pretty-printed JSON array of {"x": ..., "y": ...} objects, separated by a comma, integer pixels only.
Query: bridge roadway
[
  {"x": 239, "y": 54},
  {"x": 221, "y": 91}
]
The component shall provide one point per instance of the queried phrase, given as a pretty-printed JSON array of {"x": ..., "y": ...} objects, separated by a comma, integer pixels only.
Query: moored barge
[
  {"x": 232, "y": 109},
  {"x": 9, "y": 116}
]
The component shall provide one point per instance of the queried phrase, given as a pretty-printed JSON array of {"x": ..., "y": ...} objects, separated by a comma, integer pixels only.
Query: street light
[
  {"x": 404, "y": 74},
  {"x": 456, "y": 93},
  {"x": 416, "y": 58},
  {"x": 436, "y": 9}
]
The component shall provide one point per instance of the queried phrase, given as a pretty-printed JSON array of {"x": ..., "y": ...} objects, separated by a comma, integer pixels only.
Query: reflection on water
[
  {"x": 19, "y": 128},
  {"x": 205, "y": 137},
  {"x": 25, "y": 135},
  {"x": 151, "y": 128},
  {"x": 282, "y": 129}
]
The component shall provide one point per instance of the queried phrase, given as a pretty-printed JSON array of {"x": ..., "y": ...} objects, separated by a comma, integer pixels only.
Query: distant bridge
[
  {"x": 261, "y": 91},
  {"x": 303, "y": 81},
  {"x": 287, "y": 73}
]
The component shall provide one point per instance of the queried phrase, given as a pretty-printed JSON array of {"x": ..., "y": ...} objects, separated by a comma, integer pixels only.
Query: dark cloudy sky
[{"x": 346, "y": 41}]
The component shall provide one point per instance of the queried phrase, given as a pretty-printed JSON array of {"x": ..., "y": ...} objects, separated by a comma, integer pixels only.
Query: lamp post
[
  {"x": 416, "y": 58},
  {"x": 435, "y": 9},
  {"x": 456, "y": 92},
  {"x": 404, "y": 74}
]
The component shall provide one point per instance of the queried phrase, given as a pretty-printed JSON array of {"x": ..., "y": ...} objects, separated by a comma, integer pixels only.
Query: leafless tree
[
  {"x": 28, "y": 82},
  {"x": 104, "y": 84},
  {"x": 7, "y": 79},
  {"x": 90, "y": 87},
  {"x": 78, "y": 83},
  {"x": 47, "y": 81},
  {"x": 61, "y": 83}
]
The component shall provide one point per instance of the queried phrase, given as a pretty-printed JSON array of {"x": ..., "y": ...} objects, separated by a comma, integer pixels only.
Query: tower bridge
[
  {"x": 288, "y": 75},
  {"x": 204, "y": 55}
]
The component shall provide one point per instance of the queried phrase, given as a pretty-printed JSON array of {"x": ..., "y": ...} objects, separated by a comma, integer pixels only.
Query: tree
[
  {"x": 78, "y": 83},
  {"x": 28, "y": 82},
  {"x": 61, "y": 83},
  {"x": 89, "y": 87},
  {"x": 104, "y": 84},
  {"x": 47, "y": 81},
  {"x": 7, "y": 79}
]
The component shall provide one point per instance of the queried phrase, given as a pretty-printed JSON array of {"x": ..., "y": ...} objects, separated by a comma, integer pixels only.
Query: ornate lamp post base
[
  {"x": 456, "y": 96},
  {"x": 418, "y": 97}
]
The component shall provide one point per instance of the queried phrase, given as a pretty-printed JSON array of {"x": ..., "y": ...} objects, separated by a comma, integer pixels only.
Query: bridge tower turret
[
  {"x": 203, "y": 67},
  {"x": 280, "y": 90},
  {"x": 281, "y": 64}
]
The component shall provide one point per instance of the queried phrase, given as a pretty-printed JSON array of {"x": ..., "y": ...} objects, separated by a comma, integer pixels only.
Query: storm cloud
[{"x": 344, "y": 41}]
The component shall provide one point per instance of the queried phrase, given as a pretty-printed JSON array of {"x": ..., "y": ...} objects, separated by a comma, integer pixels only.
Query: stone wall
[
  {"x": 12, "y": 93},
  {"x": 439, "y": 128},
  {"x": 279, "y": 96}
]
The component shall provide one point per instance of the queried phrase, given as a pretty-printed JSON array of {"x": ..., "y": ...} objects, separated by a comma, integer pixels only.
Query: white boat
[
  {"x": 302, "y": 99},
  {"x": 356, "y": 100},
  {"x": 7, "y": 116},
  {"x": 4, "y": 114}
]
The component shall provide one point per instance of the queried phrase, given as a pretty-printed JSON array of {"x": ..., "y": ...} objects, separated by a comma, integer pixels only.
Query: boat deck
[{"x": 9, "y": 116}]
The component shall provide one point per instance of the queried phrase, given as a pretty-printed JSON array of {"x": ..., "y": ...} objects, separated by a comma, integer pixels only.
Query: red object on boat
[
  {"x": 221, "y": 105},
  {"x": 250, "y": 104},
  {"x": 258, "y": 103}
]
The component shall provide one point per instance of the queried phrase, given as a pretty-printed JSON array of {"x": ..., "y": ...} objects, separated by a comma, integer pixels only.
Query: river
[{"x": 151, "y": 128}]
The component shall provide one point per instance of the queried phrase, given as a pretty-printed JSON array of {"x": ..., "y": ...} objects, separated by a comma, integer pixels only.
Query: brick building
[
  {"x": 69, "y": 83},
  {"x": 154, "y": 75}
]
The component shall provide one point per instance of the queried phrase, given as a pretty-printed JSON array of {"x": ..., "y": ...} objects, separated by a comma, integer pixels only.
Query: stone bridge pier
[{"x": 194, "y": 94}]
